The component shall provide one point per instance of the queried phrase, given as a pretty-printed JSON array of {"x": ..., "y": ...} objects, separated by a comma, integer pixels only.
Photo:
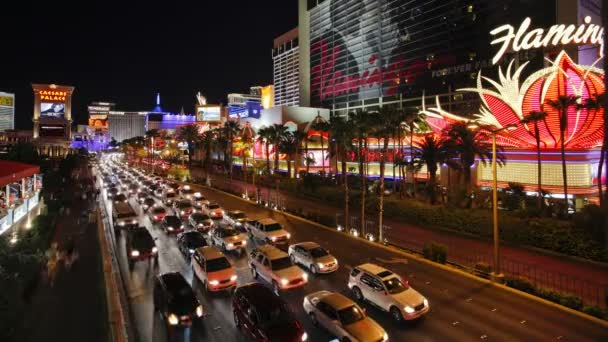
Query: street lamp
[{"x": 496, "y": 274}]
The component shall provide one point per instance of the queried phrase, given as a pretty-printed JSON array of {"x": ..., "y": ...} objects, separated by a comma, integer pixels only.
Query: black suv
[
  {"x": 176, "y": 301},
  {"x": 172, "y": 224},
  {"x": 140, "y": 246},
  {"x": 263, "y": 316}
]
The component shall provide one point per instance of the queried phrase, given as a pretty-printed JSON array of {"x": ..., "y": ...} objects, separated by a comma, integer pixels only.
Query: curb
[{"x": 417, "y": 257}]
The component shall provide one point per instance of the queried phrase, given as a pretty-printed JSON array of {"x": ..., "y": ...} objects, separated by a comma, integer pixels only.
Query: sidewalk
[
  {"x": 588, "y": 280},
  {"x": 74, "y": 309}
]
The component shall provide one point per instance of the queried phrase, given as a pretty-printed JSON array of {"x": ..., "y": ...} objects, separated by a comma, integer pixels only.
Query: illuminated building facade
[
  {"x": 245, "y": 105},
  {"x": 52, "y": 118},
  {"x": 7, "y": 111},
  {"x": 286, "y": 67}
]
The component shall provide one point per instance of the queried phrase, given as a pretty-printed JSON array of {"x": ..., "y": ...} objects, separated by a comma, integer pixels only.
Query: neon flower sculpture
[{"x": 508, "y": 103}]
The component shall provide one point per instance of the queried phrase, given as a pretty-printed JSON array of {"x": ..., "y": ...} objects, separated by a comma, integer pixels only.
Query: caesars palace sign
[{"x": 522, "y": 39}]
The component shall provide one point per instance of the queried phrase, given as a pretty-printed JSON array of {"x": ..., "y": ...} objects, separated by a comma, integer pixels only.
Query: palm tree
[
  {"x": 151, "y": 135},
  {"x": 300, "y": 137},
  {"x": 264, "y": 136},
  {"x": 278, "y": 134},
  {"x": 430, "y": 152},
  {"x": 246, "y": 135},
  {"x": 597, "y": 103},
  {"x": 361, "y": 123},
  {"x": 562, "y": 105},
  {"x": 533, "y": 118},
  {"x": 412, "y": 120},
  {"x": 289, "y": 146},
  {"x": 342, "y": 136},
  {"x": 208, "y": 141},
  {"x": 319, "y": 124},
  {"x": 191, "y": 135},
  {"x": 466, "y": 145},
  {"x": 230, "y": 130}
]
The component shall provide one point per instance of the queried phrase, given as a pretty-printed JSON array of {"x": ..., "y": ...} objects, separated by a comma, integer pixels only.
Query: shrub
[
  {"x": 483, "y": 269},
  {"x": 571, "y": 301},
  {"x": 436, "y": 252},
  {"x": 594, "y": 311},
  {"x": 520, "y": 283}
]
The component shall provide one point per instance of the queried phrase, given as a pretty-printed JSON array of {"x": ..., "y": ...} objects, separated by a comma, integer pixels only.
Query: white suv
[
  {"x": 387, "y": 291},
  {"x": 274, "y": 266},
  {"x": 268, "y": 230}
]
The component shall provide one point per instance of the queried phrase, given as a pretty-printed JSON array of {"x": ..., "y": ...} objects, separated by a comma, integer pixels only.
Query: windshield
[
  {"x": 218, "y": 264},
  {"x": 394, "y": 285},
  {"x": 318, "y": 252},
  {"x": 350, "y": 315},
  {"x": 272, "y": 227},
  {"x": 281, "y": 263}
]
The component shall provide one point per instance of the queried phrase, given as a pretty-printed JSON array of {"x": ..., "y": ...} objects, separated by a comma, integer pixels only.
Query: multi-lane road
[{"x": 462, "y": 309}]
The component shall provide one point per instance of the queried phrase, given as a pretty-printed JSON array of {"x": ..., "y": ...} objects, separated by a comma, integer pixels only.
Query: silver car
[{"x": 316, "y": 258}]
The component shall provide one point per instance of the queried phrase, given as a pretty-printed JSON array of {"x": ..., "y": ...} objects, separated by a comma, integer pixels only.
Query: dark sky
[{"x": 124, "y": 52}]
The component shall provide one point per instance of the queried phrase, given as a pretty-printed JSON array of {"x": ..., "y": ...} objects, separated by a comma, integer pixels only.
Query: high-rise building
[
  {"x": 286, "y": 64},
  {"x": 7, "y": 111},
  {"x": 362, "y": 54},
  {"x": 126, "y": 125}
]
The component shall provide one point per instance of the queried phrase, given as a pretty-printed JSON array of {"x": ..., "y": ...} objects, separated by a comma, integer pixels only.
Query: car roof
[
  {"x": 374, "y": 269},
  {"x": 174, "y": 280},
  {"x": 271, "y": 252},
  {"x": 308, "y": 245},
  {"x": 235, "y": 212},
  {"x": 336, "y": 300},
  {"x": 210, "y": 252},
  {"x": 266, "y": 221},
  {"x": 260, "y": 296}
]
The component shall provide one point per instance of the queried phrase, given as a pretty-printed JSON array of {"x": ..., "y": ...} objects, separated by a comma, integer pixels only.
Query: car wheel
[
  {"x": 396, "y": 313},
  {"x": 313, "y": 269},
  {"x": 254, "y": 273},
  {"x": 276, "y": 288},
  {"x": 358, "y": 294},
  {"x": 313, "y": 319}
]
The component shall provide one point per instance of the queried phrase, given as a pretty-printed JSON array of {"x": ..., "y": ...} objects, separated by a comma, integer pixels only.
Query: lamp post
[{"x": 496, "y": 273}]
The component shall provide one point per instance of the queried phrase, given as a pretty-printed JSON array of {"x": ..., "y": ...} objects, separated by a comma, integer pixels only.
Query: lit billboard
[
  {"x": 208, "y": 113},
  {"x": 52, "y": 110}
]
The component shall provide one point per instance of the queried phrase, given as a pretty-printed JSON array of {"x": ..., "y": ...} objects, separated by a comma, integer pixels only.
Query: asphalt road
[{"x": 462, "y": 309}]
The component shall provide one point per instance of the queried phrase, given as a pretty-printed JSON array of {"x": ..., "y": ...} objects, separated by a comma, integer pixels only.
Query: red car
[
  {"x": 157, "y": 214},
  {"x": 263, "y": 316}
]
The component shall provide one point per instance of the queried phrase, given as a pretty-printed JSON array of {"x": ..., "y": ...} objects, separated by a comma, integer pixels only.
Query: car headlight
[
  {"x": 409, "y": 309},
  {"x": 230, "y": 245},
  {"x": 121, "y": 223},
  {"x": 199, "y": 311},
  {"x": 134, "y": 253},
  {"x": 155, "y": 217},
  {"x": 214, "y": 282},
  {"x": 238, "y": 224},
  {"x": 233, "y": 278},
  {"x": 173, "y": 320},
  {"x": 154, "y": 250},
  {"x": 244, "y": 242},
  {"x": 305, "y": 276},
  {"x": 200, "y": 225},
  {"x": 170, "y": 229},
  {"x": 385, "y": 337},
  {"x": 321, "y": 265},
  {"x": 145, "y": 206},
  {"x": 426, "y": 302},
  {"x": 284, "y": 282},
  {"x": 288, "y": 235},
  {"x": 182, "y": 226},
  {"x": 274, "y": 238},
  {"x": 191, "y": 250},
  {"x": 182, "y": 212},
  {"x": 304, "y": 337}
]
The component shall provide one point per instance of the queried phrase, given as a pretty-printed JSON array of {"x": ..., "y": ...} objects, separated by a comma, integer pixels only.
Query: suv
[
  {"x": 123, "y": 216},
  {"x": 387, "y": 291},
  {"x": 140, "y": 246},
  {"x": 268, "y": 230},
  {"x": 175, "y": 300},
  {"x": 313, "y": 256},
  {"x": 212, "y": 268},
  {"x": 262, "y": 316},
  {"x": 274, "y": 266}
]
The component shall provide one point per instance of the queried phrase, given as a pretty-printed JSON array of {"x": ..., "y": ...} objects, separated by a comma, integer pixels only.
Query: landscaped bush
[
  {"x": 435, "y": 252},
  {"x": 595, "y": 311},
  {"x": 483, "y": 269},
  {"x": 520, "y": 283}
]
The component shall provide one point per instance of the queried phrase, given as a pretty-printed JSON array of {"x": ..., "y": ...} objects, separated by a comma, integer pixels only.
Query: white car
[
  {"x": 235, "y": 218},
  {"x": 214, "y": 211},
  {"x": 342, "y": 317},
  {"x": 228, "y": 239},
  {"x": 274, "y": 266},
  {"x": 316, "y": 258},
  {"x": 186, "y": 192},
  {"x": 387, "y": 291},
  {"x": 199, "y": 200},
  {"x": 268, "y": 230}
]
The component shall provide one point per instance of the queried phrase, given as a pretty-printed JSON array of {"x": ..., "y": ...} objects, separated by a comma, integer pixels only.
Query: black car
[
  {"x": 140, "y": 246},
  {"x": 172, "y": 224},
  {"x": 264, "y": 316},
  {"x": 175, "y": 300},
  {"x": 141, "y": 196},
  {"x": 188, "y": 242},
  {"x": 148, "y": 203},
  {"x": 200, "y": 222},
  {"x": 121, "y": 198},
  {"x": 112, "y": 191}
]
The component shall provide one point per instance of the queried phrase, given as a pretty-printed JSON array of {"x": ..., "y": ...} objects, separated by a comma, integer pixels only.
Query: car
[
  {"x": 172, "y": 224},
  {"x": 158, "y": 192},
  {"x": 387, "y": 291},
  {"x": 228, "y": 239},
  {"x": 153, "y": 187},
  {"x": 140, "y": 246},
  {"x": 120, "y": 198},
  {"x": 168, "y": 198},
  {"x": 133, "y": 189},
  {"x": 141, "y": 196},
  {"x": 188, "y": 242},
  {"x": 262, "y": 316},
  {"x": 213, "y": 270},
  {"x": 274, "y": 266},
  {"x": 214, "y": 211},
  {"x": 112, "y": 191},
  {"x": 269, "y": 230},
  {"x": 342, "y": 317},
  {"x": 148, "y": 203},
  {"x": 183, "y": 208},
  {"x": 175, "y": 300},
  {"x": 157, "y": 180},
  {"x": 186, "y": 192},
  {"x": 199, "y": 200},
  {"x": 123, "y": 217},
  {"x": 200, "y": 222},
  {"x": 157, "y": 213},
  {"x": 235, "y": 217},
  {"x": 248, "y": 224},
  {"x": 171, "y": 185},
  {"x": 147, "y": 184},
  {"x": 108, "y": 181},
  {"x": 316, "y": 258}
]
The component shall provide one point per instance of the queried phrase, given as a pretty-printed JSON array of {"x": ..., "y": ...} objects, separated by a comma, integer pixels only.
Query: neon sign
[
  {"x": 556, "y": 35},
  {"x": 52, "y": 95}
]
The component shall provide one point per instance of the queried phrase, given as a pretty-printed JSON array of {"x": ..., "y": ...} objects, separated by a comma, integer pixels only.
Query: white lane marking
[
  {"x": 494, "y": 310},
  {"x": 428, "y": 282},
  {"x": 393, "y": 260},
  {"x": 484, "y": 336},
  {"x": 455, "y": 323},
  {"x": 560, "y": 337},
  {"x": 468, "y": 300},
  {"x": 523, "y": 322}
]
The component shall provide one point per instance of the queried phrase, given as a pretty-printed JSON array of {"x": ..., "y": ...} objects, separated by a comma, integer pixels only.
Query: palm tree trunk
[
  {"x": 342, "y": 154},
  {"x": 381, "y": 203},
  {"x": 394, "y": 176},
  {"x": 306, "y": 158},
  {"x": 362, "y": 178},
  {"x": 563, "y": 150},
  {"x": 600, "y": 170},
  {"x": 432, "y": 181},
  {"x": 322, "y": 156},
  {"x": 267, "y": 157},
  {"x": 289, "y": 167},
  {"x": 539, "y": 165}
]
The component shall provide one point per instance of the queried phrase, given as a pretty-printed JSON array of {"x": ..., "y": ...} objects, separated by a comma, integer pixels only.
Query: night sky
[{"x": 125, "y": 53}]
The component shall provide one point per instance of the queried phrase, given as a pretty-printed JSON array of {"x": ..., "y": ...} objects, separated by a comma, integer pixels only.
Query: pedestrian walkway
[
  {"x": 588, "y": 280},
  {"x": 74, "y": 308}
]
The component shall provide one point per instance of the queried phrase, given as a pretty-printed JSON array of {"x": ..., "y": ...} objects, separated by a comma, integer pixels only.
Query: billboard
[
  {"x": 7, "y": 101},
  {"x": 208, "y": 113},
  {"x": 52, "y": 110}
]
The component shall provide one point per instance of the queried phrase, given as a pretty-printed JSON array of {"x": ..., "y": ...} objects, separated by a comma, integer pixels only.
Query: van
[{"x": 123, "y": 216}]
